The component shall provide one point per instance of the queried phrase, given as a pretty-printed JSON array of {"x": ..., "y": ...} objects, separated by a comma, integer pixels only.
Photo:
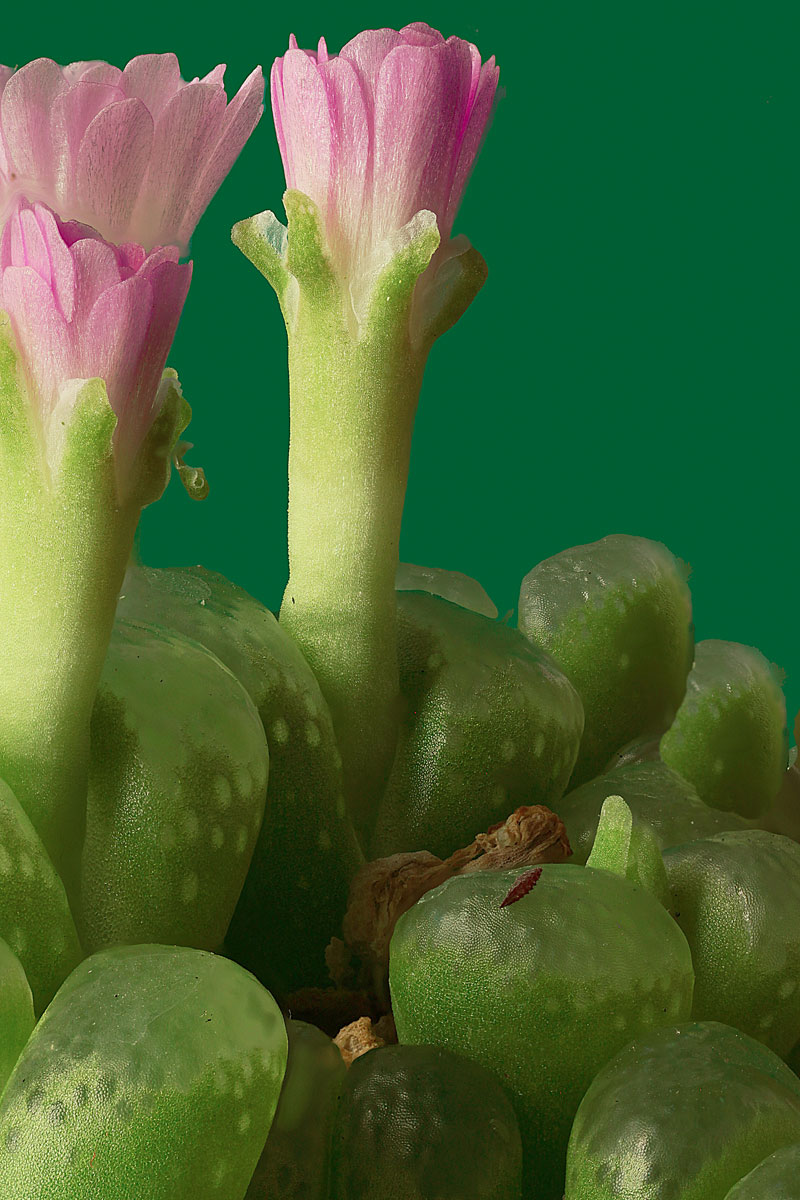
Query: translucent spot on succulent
[
  {"x": 280, "y": 731},
  {"x": 189, "y": 888},
  {"x": 312, "y": 733}
]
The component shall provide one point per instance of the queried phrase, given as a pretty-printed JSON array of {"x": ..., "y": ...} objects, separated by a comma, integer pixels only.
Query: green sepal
[
  {"x": 391, "y": 296},
  {"x": 19, "y": 444},
  {"x": 629, "y": 850},
  {"x": 149, "y": 474},
  {"x": 453, "y": 288},
  {"x": 307, "y": 256},
  {"x": 80, "y": 451},
  {"x": 263, "y": 239}
]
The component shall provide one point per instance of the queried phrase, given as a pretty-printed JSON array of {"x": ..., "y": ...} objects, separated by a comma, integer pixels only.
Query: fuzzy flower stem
[
  {"x": 352, "y": 414},
  {"x": 88, "y": 422},
  {"x": 61, "y": 568},
  {"x": 377, "y": 145},
  {"x": 65, "y": 540}
]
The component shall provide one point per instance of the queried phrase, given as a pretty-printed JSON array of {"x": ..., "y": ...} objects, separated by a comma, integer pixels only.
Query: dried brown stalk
[{"x": 386, "y": 888}]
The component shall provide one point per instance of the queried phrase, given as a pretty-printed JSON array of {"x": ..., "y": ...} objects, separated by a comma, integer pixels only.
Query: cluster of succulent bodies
[{"x": 557, "y": 865}]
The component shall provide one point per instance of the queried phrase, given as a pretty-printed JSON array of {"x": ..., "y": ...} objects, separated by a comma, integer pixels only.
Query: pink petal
[
  {"x": 306, "y": 122},
  {"x": 367, "y": 50},
  {"x": 459, "y": 71},
  {"x": 131, "y": 256},
  {"x": 60, "y": 268},
  {"x": 158, "y": 256},
  {"x": 472, "y": 137},
  {"x": 420, "y": 34},
  {"x": 188, "y": 128},
  {"x": 27, "y": 102},
  {"x": 41, "y": 332},
  {"x": 278, "y": 103},
  {"x": 414, "y": 110},
  {"x": 95, "y": 71},
  {"x": 113, "y": 340},
  {"x": 112, "y": 164},
  {"x": 96, "y": 270},
  {"x": 28, "y": 247},
  {"x": 31, "y": 238},
  {"x": 217, "y": 76},
  {"x": 170, "y": 283},
  {"x": 240, "y": 119},
  {"x": 349, "y": 214},
  {"x": 135, "y": 324},
  {"x": 72, "y": 111},
  {"x": 154, "y": 79},
  {"x": 75, "y": 231}
]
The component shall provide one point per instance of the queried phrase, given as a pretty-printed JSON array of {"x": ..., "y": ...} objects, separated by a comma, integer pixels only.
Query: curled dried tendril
[{"x": 192, "y": 478}]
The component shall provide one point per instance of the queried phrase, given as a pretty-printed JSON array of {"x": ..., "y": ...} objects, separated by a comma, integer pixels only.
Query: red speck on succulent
[{"x": 522, "y": 886}]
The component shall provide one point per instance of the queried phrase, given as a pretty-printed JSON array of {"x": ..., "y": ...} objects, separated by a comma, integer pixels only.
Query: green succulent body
[
  {"x": 306, "y": 852},
  {"x": 736, "y": 897},
  {"x": 729, "y": 736},
  {"x": 541, "y": 992},
  {"x": 616, "y": 616},
  {"x": 490, "y": 723},
  {"x": 155, "y": 1072},
  {"x": 416, "y": 1122},
  {"x": 295, "y": 1161},
  {"x": 177, "y": 791},
  {"x": 681, "y": 1113},
  {"x": 776, "y": 1178}
]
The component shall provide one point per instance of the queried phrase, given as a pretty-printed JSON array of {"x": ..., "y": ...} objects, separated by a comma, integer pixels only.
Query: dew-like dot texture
[
  {"x": 616, "y": 615},
  {"x": 656, "y": 795},
  {"x": 418, "y": 1121},
  {"x": 295, "y": 1161},
  {"x": 35, "y": 917},
  {"x": 737, "y": 899},
  {"x": 279, "y": 929},
  {"x": 681, "y": 1113},
  {"x": 776, "y": 1178},
  {"x": 536, "y": 991},
  {"x": 117, "y": 1091},
  {"x": 171, "y": 729},
  {"x": 493, "y": 724},
  {"x": 729, "y": 737}
]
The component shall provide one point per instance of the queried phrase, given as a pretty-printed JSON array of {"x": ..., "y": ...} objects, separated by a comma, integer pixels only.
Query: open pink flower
[
  {"x": 387, "y": 128},
  {"x": 137, "y": 154},
  {"x": 82, "y": 308}
]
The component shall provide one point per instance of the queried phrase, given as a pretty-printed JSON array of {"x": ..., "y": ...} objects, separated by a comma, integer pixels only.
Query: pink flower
[
  {"x": 387, "y": 128},
  {"x": 137, "y": 154},
  {"x": 82, "y": 308}
]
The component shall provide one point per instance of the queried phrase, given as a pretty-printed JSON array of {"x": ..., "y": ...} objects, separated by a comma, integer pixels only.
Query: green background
[{"x": 630, "y": 365}]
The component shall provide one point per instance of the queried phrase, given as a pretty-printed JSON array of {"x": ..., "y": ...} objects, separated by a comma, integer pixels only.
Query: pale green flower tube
[{"x": 377, "y": 144}]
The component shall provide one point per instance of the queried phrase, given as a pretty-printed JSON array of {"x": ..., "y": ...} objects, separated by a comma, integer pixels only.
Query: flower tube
[
  {"x": 377, "y": 145},
  {"x": 88, "y": 420}
]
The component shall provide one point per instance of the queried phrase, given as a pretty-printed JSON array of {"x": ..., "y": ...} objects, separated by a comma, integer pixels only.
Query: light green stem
[
  {"x": 352, "y": 414},
  {"x": 65, "y": 538},
  {"x": 354, "y": 386},
  {"x": 57, "y": 603}
]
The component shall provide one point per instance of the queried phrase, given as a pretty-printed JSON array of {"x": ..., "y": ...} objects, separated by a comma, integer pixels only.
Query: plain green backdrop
[{"x": 630, "y": 366}]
